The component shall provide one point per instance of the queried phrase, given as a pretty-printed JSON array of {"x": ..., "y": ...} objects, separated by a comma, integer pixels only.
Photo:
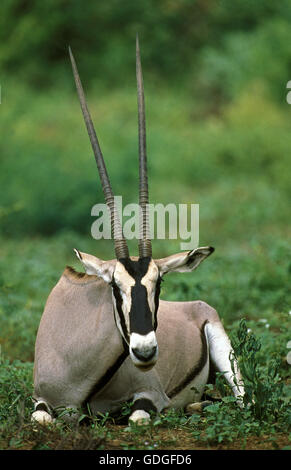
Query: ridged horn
[
  {"x": 144, "y": 245},
  {"x": 121, "y": 249}
]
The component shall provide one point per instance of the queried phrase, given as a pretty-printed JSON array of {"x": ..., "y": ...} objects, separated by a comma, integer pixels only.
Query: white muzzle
[{"x": 143, "y": 350}]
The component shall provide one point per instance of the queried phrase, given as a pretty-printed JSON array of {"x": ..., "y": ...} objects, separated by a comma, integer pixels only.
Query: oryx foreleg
[
  {"x": 42, "y": 413},
  {"x": 140, "y": 412}
]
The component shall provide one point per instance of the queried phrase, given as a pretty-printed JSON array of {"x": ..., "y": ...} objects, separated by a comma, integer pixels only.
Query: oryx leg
[
  {"x": 42, "y": 413},
  {"x": 149, "y": 395},
  {"x": 220, "y": 350},
  {"x": 197, "y": 407},
  {"x": 53, "y": 398},
  {"x": 142, "y": 406},
  {"x": 129, "y": 383}
]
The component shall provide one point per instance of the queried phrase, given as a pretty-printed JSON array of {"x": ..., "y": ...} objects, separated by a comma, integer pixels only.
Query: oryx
[{"x": 105, "y": 337}]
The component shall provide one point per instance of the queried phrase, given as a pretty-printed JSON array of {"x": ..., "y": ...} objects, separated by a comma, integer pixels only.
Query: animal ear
[
  {"x": 96, "y": 266},
  {"x": 183, "y": 262}
]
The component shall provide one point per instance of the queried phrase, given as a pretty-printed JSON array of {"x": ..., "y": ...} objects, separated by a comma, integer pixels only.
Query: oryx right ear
[
  {"x": 183, "y": 262},
  {"x": 96, "y": 266}
]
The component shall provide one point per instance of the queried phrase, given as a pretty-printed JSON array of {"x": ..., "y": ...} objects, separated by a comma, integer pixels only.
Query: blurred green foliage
[
  {"x": 222, "y": 42},
  {"x": 215, "y": 79},
  {"x": 49, "y": 179}
]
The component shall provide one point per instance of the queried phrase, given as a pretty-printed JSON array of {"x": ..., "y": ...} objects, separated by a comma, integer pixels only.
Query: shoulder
[
  {"x": 196, "y": 310},
  {"x": 203, "y": 308}
]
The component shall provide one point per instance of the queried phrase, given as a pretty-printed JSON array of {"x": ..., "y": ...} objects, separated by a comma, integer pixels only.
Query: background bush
[{"x": 215, "y": 78}]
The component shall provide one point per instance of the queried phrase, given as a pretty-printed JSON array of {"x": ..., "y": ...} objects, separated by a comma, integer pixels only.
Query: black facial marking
[
  {"x": 157, "y": 299},
  {"x": 118, "y": 300},
  {"x": 136, "y": 269},
  {"x": 140, "y": 314}
]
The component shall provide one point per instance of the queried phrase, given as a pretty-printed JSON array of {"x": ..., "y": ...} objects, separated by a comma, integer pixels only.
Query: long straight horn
[
  {"x": 121, "y": 249},
  {"x": 144, "y": 246}
]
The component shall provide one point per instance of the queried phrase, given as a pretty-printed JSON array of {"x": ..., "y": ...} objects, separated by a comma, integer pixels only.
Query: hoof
[
  {"x": 41, "y": 417},
  {"x": 197, "y": 407},
  {"x": 140, "y": 417}
]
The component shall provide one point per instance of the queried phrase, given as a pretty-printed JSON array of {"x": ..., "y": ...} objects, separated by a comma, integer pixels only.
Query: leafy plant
[{"x": 263, "y": 384}]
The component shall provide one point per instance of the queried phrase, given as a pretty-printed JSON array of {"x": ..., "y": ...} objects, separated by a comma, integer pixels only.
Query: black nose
[{"x": 146, "y": 355}]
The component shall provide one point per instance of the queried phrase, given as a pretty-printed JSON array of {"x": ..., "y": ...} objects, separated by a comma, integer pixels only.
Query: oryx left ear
[
  {"x": 96, "y": 266},
  {"x": 184, "y": 262}
]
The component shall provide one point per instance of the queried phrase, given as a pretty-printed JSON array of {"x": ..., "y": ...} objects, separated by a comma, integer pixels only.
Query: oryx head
[{"x": 135, "y": 282}]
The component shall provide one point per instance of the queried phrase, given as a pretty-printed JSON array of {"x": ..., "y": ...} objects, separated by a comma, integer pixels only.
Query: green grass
[{"x": 235, "y": 164}]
